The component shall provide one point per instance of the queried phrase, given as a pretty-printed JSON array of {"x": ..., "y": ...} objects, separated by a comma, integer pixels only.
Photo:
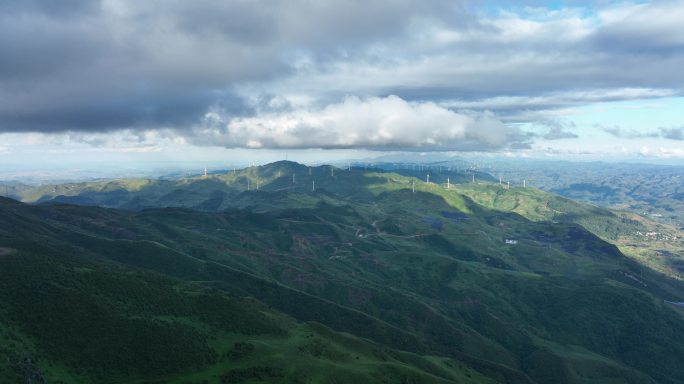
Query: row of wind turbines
[{"x": 412, "y": 167}]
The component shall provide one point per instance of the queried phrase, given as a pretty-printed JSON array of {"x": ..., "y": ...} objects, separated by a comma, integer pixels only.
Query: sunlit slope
[
  {"x": 426, "y": 272},
  {"x": 655, "y": 190},
  {"x": 219, "y": 191},
  {"x": 654, "y": 244}
]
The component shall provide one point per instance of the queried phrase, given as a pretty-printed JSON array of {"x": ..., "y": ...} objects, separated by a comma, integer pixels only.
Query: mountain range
[{"x": 294, "y": 274}]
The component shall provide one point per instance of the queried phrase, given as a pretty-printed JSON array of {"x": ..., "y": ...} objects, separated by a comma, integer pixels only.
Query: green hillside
[
  {"x": 70, "y": 316},
  {"x": 653, "y": 190},
  {"x": 361, "y": 279},
  {"x": 654, "y": 244}
]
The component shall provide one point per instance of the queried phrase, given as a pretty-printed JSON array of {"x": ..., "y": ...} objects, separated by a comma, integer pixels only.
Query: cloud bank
[
  {"x": 334, "y": 74},
  {"x": 376, "y": 123}
]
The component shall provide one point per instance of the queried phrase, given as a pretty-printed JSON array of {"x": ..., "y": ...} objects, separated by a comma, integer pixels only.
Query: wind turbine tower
[
  {"x": 205, "y": 171},
  {"x": 313, "y": 185},
  {"x": 448, "y": 183},
  {"x": 524, "y": 183},
  {"x": 413, "y": 186},
  {"x": 427, "y": 179}
]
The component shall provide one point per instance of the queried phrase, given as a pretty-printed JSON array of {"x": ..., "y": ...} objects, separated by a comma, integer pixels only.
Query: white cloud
[
  {"x": 662, "y": 152},
  {"x": 670, "y": 153},
  {"x": 263, "y": 76},
  {"x": 388, "y": 122},
  {"x": 123, "y": 141}
]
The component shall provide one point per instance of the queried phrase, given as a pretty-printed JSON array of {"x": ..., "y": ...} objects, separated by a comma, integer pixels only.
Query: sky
[{"x": 124, "y": 82}]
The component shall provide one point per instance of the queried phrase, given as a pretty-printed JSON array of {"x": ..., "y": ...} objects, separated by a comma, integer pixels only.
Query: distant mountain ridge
[{"x": 290, "y": 184}]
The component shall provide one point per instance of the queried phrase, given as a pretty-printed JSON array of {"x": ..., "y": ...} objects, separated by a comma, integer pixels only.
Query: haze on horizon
[{"x": 126, "y": 82}]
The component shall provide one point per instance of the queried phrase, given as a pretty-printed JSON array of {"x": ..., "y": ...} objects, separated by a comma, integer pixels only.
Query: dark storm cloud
[
  {"x": 97, "y": 67},
  {"x": 89, "y": 65},
  {"x": 139, "y": 65}
]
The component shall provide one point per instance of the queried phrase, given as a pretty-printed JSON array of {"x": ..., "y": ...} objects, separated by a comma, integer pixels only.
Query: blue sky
[{"x": 123, "y": 82}]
